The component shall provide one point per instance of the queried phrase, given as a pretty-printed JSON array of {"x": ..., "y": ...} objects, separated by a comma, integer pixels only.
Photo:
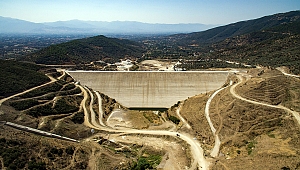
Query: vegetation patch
[
  {"x": 68, "y": 87},
  {"x": 61, "y": 106},
  {"x": 24, "y": 104},
  {"x": 250, "y": 147},
  {"x": 147, "y": 162},
  {"x": 14, "y": 154},
  {"x": 17, "y": 76},
  {"x": 174, "y": 119},
  {"x": 78, "y": 118},
  {"x": 53, "y": 87}
]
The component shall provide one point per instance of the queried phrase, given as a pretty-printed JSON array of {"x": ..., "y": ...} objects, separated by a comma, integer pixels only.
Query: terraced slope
[
  {"x": 252, "y": 135},
  {"x": 57, "y": 108},
  {"x": 270, "y": 87}
]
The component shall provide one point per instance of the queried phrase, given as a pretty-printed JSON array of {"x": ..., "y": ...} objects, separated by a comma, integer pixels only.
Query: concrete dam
[{"x": 149, "y": 89}]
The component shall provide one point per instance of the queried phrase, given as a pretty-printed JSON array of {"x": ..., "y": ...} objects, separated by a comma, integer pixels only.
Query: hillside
[
  {"x": 17, "y": 77},
  {"x": 267, "y": 41},
  {"x": 276, "y": 46},
  {"x": 220, "y": 33},
  {"x": 252, "y": 135},
  {"x": 87, "y": 50}
]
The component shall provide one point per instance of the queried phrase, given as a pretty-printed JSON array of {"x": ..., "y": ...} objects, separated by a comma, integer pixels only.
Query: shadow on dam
[{"x": 149, "y": 89}]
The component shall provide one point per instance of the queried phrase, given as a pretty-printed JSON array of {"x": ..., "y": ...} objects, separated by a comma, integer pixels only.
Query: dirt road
[
  {"x": 181, "y": 118},
  {"x": 233, "y": 92},
  {"x": 215, "y": 151},
  {"x": 287, "y": 74},
  {"x": 100, "y": 109},
  {"x": 26, "y": 91},
  {"x": 196, "y": 150}
]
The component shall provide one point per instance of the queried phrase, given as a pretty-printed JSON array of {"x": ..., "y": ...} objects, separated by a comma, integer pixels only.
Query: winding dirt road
[
  {"x": 287, "y": 74},
  {"x": 26, "y": 91},
  {"x": 215, "y": 151},
  {"x": 100, "y": 109},
  {"x": 233, "y": 92},
  {"x": 181, "y": 118},
  {"x": 196, "y": 150}
]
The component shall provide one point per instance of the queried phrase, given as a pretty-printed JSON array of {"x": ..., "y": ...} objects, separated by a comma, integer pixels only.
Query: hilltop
[{"x": 86, "y": 50}]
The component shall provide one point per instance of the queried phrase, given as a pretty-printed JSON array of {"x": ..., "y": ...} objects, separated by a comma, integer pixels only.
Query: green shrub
[
  {"x": 147, "y": 162},
  {"x": 250, "y": 146},
  {"x": 78, "y": 118},
  {"x": 174, "y": 119},
  {"x": 70, "y": 150}
]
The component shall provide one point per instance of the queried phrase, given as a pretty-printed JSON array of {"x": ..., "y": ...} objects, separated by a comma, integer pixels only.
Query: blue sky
[{"x": 149, "y": 11}]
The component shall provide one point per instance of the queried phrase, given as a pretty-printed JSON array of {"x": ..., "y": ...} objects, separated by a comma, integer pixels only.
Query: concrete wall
[{"x": 150, "y": 89}]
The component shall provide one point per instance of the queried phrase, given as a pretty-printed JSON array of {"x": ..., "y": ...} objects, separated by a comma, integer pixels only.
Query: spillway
[{"x": 148, "y": 89}]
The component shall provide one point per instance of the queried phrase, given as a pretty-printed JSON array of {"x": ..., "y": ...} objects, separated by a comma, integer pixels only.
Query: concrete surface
[
  {"x": 146, "y": 89},
  {"x": 40, "y": 132}
]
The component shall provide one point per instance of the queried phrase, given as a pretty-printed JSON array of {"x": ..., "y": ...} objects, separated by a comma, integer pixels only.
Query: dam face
[{"x": 146, "y": 89}]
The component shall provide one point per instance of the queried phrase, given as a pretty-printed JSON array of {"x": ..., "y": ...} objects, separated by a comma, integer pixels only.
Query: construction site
[{"x": 242, "y": 119}]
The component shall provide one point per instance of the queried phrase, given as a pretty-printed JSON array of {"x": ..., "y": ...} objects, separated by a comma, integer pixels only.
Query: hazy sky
[{"x": 150, "y": 11}]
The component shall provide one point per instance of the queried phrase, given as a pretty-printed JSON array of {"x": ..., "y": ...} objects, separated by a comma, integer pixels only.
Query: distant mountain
[
  {"x": 86, "y": 50},
  {"x": 221, "y": 33},
  {"x": 129, "y": 27},
  {"x": 10, "y": 25}
]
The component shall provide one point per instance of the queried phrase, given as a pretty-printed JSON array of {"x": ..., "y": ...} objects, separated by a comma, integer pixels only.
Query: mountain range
[{"x": 16, "y": 26}]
